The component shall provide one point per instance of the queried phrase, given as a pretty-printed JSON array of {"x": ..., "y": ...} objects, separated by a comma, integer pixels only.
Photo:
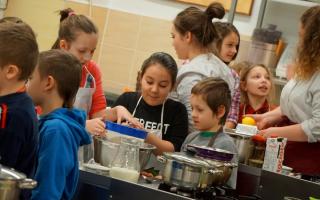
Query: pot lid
[
  {"x": 10, "y": 174},
  {"x": 212, "y": 153},
  {"x": 181, "y": 157}
]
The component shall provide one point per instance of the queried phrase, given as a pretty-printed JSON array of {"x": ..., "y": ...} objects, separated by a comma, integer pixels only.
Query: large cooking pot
[
  {"x": 220, "y": 158},
  {"x": 225, "y": 167},
  {"x": 106, "y": 148},
  {"x": 11, "y": 182},
  {"x": 188, "y": 172}
]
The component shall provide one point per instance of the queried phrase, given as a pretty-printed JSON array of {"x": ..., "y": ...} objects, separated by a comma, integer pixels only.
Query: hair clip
[{"x": 71, "y": 13}]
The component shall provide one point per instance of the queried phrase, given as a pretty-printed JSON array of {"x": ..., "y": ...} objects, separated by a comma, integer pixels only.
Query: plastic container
[{"x": 116, "y": 130}]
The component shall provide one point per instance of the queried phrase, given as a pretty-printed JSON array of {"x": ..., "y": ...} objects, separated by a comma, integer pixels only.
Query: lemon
[{"x": 248, "y": 121}]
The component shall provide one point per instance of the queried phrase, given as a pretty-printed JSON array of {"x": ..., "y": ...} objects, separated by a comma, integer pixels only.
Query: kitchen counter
[
  {"x": 248, "y": 180},
  {"x": 278, "y": 186},
  {"x": 94, "y": 186},
  {"x": 267, "y": 185}
]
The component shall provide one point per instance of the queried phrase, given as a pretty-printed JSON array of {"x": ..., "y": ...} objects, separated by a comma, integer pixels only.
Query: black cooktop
[{"x": 211, "y": 193}]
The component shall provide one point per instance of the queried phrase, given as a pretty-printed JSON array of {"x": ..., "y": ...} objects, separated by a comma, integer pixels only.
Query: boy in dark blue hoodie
[
  {"x": 18, "y": 120},
  {"x": 53, "y": 86}
]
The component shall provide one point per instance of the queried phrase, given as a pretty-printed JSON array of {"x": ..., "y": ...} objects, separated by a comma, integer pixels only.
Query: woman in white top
[
  {"x": 300, "y": 102},
  {"x": 193, "y": 34}
]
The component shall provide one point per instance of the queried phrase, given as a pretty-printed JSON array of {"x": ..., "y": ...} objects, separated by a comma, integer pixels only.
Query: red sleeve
[{"x": 98, "y": 100}]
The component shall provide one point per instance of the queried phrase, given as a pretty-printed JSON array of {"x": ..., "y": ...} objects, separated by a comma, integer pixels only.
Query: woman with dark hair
[
  {"x": 164, "y": 118},
  {"x": 193, "y": 34},
  {"x": 300, "y": 102}
]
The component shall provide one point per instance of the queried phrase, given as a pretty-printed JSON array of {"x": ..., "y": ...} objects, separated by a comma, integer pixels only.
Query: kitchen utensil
[
  {"x": 243, "y": 143},
  {"x": 212, "y": 153},
  {"x": 11, "y": 182},
  {"x": 107, "y": 149},
  {"x": 188, "y": 172},
  {"x": 125, "y": 165}
]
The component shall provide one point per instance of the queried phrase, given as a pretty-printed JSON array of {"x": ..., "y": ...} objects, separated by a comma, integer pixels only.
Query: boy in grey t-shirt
[{"x": 210, "y": 101}]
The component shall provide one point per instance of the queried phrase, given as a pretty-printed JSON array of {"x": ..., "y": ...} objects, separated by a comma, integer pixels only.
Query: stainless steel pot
[
  {"x": 189, "y": 172},
  {"x": 225, "y": 167},
  {"x": 243, "y": 143},
  {"x": 11, "y": 182},
  {"x": 106, "y": 148}
]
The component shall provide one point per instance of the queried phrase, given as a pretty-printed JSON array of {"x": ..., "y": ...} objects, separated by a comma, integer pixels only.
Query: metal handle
[
  {"x": 231, "y": 165},
  {"x": 27, "y": 184},
  {"x": 215, "y": 172},
  {"x": 161, "y": 159}
]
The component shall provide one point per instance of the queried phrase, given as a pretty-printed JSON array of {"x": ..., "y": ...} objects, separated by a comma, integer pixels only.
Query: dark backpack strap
[{"x": 214, "y": 137}]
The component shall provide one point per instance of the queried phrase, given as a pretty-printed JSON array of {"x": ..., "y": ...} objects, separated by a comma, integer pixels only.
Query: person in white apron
[
  {"x": 83, "y": 101},
  {"x": 165, "y": 120},
  {"x": 158, "y": 133},
  {"x": 96, "y": 126},
  {"x": 79, "y": 36}
]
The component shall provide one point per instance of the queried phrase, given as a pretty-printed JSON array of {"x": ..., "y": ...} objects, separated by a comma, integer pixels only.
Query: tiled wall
[
  {"x": 40, "y": 15},
  {"x": 129, "y": 39},
  {"x": 125, "y": 40}
]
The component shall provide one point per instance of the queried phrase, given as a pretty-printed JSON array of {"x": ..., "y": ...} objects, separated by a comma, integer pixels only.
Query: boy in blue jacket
[{"x": 53, "y": 86}]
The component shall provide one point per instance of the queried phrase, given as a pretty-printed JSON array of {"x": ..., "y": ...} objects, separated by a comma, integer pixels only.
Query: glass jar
[
  {"x": 86, "y": 153},
  {"x": 125, "y": 165},
  {"x": 259, "y": 148}
]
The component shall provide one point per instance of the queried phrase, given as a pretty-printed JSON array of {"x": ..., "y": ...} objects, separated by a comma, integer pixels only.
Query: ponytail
[
  {"x": 199, "y": 23},
  {"x": 70, "y": 24}
]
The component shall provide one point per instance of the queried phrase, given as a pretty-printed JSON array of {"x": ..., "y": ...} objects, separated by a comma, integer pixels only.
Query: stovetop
[{"x": 212, "y": 193}]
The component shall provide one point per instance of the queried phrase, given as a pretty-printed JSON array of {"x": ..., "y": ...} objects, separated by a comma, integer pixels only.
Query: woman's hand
[
  {"x": 96, "y": 126},
  {"x": 269, "y": 132},
  {"x": 292, "y": 133},
  {"x": 267, "y": 119},
  {"x": 262, "y": 121}
]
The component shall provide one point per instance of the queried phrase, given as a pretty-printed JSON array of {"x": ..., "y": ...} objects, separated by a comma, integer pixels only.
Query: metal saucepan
[
  {"x": 243, "y": 143},
  {"x": 225, "y": 167},
  {"x": 11, "y": 182},
  {"x": 188, "y": 172},
  {"x": 105, "y": 150}
]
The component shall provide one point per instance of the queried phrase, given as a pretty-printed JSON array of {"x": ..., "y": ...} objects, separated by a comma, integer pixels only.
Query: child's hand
[
  {"x": 124, "y": 115},
  {"x": 96, "y": 126}
]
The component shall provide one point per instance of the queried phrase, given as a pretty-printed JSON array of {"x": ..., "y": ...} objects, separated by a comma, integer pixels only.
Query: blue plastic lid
[{"x": 126, "y": 130}]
